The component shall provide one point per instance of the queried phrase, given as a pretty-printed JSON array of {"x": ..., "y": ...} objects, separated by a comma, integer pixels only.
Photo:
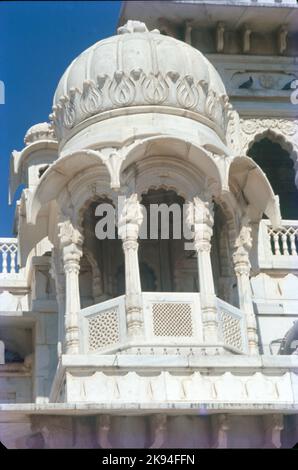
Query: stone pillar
[
  {"x": 130, "y": 220},
  {"x": 273, "y": 425},
  {"x": 71, "y": 242},
  {"x": 103, "y": 424},
  {"x": 221, "y": 427},
  {"x": 200, "y": 219},
  {"x": 242, "y": 268},
  {"x": 57, "y": 273},
  {"x": 159, "y": 431}
]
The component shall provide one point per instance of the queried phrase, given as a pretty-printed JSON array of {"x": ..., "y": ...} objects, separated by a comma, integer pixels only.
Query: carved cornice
[{"x": 135, "y": 89}]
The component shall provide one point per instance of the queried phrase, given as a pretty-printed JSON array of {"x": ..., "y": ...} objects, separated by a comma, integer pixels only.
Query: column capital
[
  {"x": 242, "y": 247},
  {"x": 200, "y": 218},
  {"x": 69, "y": 234},
  {"x": 131, "y": 218},
  {"x": 200, "y": 212}
]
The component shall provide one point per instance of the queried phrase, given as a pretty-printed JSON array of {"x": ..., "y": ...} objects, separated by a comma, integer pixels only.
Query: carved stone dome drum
[{"x": 139, "y": 68}]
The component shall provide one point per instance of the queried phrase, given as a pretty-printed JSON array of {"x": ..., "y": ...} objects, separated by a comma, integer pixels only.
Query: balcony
[
  {"x": 8, "y": 257},
  {"x": 172, "y": 325},
  {"x": 278, "y": 249},
  {"x": 12, "y": 279}
]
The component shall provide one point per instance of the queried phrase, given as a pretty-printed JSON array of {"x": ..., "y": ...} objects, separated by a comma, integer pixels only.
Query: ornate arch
[{"x": 281, "y": 131}]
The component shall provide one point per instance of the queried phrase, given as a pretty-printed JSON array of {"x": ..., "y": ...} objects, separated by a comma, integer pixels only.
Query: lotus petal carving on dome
[
  {"x": 69, "y": 114},
  {"x": 213, "y": 107},
  {"x": 122, "y": 89},
  {"x": 155, "y": 89},
  {"x": 91, "y": 98},
  {"x": 138, "y": 88},
  {"x": 56, "y": 118},
  {"x": 187, "y": 93}
]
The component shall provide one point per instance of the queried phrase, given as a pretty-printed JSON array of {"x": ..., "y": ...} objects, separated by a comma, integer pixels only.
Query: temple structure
[{"x": 183, "y": 340}]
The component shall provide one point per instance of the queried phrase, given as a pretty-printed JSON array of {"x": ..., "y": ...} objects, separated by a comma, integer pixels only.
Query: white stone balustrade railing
[
  {"x": 284, "y": 241},
  {"x": 8, "y": 256},
  {"x": 278, "y": 248},
  {"x": 172, "y": 325}
]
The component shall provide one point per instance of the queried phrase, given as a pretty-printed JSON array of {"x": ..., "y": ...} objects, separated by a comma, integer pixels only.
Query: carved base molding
[{"x": 146, "y": 381}]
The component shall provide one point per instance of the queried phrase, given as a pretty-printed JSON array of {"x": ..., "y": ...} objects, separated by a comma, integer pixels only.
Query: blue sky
[{"x": 37, "y": 42}]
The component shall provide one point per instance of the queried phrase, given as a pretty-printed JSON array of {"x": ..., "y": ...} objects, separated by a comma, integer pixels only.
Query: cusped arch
[
  {"x": 276, "y": 137},
  {"x": 247, "y": 177},
  {"x": 171, "y": 163},
  {"x": 58, "y": 176},
  {"x": 85, "y": 188}
]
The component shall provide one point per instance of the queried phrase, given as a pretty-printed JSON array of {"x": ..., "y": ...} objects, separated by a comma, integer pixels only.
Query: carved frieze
[{"x": 135, "y": 89}]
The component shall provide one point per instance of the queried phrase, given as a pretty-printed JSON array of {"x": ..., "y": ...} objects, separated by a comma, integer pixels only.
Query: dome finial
[{"x": 133, "y": 26}]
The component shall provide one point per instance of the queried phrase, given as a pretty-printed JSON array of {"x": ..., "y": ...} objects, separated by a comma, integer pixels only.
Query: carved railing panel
[
  {"x": 278, "y": 248},
  {"x": 8, "y": 255},
  {"x": 172, "y": 325}
]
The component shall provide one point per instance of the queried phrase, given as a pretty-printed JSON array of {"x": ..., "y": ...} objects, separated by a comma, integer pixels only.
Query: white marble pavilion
[{"x": 133, "y": 342}]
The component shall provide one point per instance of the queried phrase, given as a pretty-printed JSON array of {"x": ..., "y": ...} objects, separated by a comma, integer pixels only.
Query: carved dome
[
  {"x": 40, "y": 131},
  {"x": 138, "y": 68}
]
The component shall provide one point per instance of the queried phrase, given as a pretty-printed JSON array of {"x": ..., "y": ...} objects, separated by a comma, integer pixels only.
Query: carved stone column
[
  {"x": 273, "y": 425},
  {"x": 103, "y": 424},
  {"x": 128, "y": 229},
  {"x": 71, "y": 242},
  {"x": 242, "y": 268},
  {"x": 57, "y": 273},
  {"x": 159, "y": 431},
  {"x": 221, "y": 426},
  {"x": 200, "y": 219}
]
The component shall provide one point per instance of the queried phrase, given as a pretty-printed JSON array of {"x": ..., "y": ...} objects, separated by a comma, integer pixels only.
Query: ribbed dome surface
[{"x": 137, "y": 68}]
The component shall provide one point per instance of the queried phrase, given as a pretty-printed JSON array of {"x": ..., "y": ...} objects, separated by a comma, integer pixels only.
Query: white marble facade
[{"x": 141, "y": 343}]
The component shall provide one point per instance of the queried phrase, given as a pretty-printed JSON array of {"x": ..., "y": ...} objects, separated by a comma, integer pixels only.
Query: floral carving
[
  {"x": 69, "y": 234},
  {"x": 187, "y": 93},
  {"x": 91, "y": 98},
  {"x": 69, "y": 114},
  {"x": 213, "y": 107},
  {"x": 155, "y": 88},
  {"x": 131, "y": 212},
  {"x": 122, "y": 89},
  {"x": 138, "y": 88}
]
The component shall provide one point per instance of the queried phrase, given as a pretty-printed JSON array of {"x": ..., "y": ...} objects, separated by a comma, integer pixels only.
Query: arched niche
[
  {"x": 102, "y": 257},
  {"x": 222, "y": 247},
  {"x": 165, "y": 264},
  {"x": 277, "y": 164}
]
